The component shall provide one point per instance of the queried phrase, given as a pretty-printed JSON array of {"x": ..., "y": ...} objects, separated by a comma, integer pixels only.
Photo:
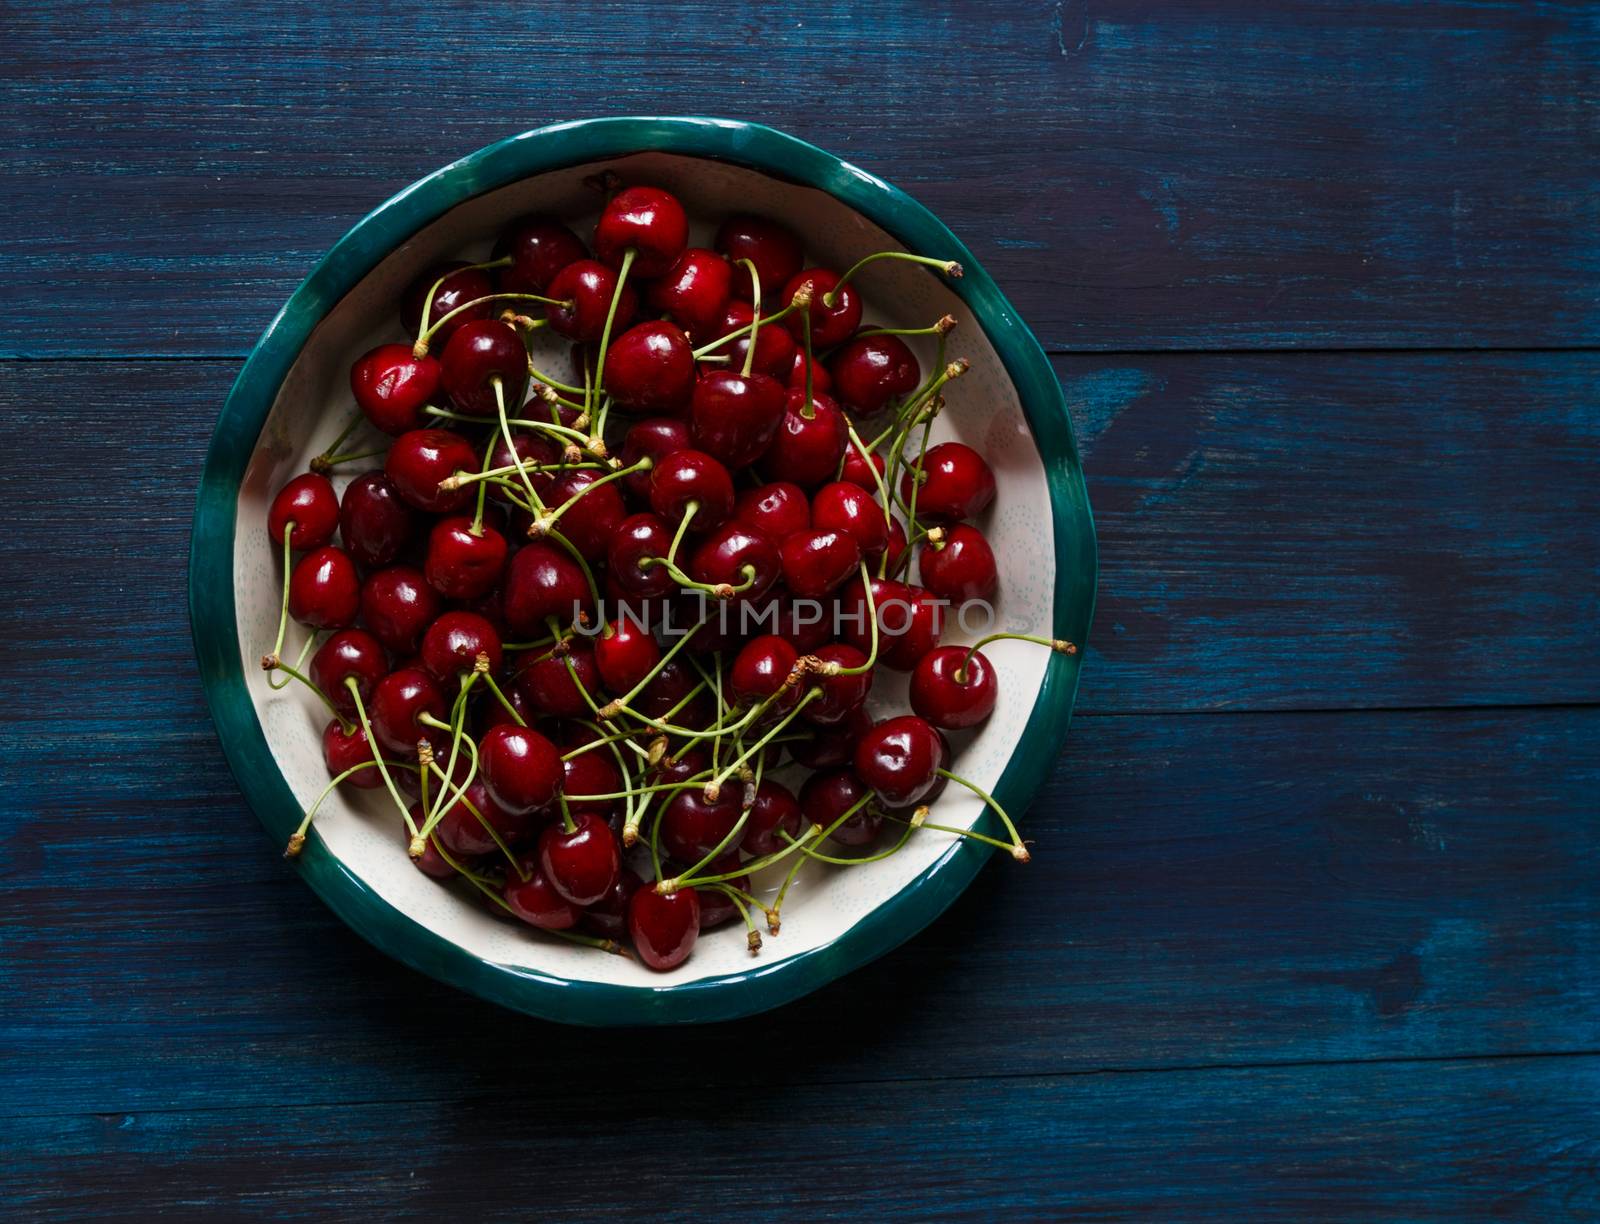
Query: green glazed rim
[{"x": 214, "y": 623}]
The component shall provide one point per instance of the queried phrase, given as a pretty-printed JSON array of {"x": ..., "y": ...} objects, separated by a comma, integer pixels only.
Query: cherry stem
[
  {"x": 734, "y": 895},
  {"x": 916, "y": 484},
  {"x": 420, "y": 349},
  {"x": 477, "y": 518},
  {"x": 505, "y": 261},
  {"x": 1059, "y": 645},
  {"x": 565, "y": 433},
  {"x": 704, "y": 352},
  {"x": 541, "y": 526},
  {"x": 883, "y": 491},
  {"x": 755, "y": 315},
  {"x": 605, "y": 334},
  {"x": 970, "y": 834},
  {"x": 872, "y": 619},
  {"x": 503, "y": 699},
  {"x": 948, "y": 266},
  {"x": 511, "y": 445},
  {"x": 839, "y": 861},
  {"x": 283, "y": 609},
  {"x": 820, "y": 835},
  {"x": 540, "y": 376},
  {"x": 377, "y": 755},
  {"x": 454, "y": 726},
  {"x": 272, "y": 663},
  {"x": 349, "y": 428},
  {"x": 942, "y": 328},
  {"x": 299, "y": 661},
  {"x": 583, "y": 563},
  {"x": 1018, "y": 850},
  {"x": 297, "y": 839},
  {"x": 915, "y": 399},
  {"x": 328, "y": 461},
  {"x": 806, "y": 409},
  {"x": 714, "y": 787}
]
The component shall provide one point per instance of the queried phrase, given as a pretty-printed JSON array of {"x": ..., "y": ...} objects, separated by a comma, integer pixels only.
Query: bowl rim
[{"x": 213, "y": 616}]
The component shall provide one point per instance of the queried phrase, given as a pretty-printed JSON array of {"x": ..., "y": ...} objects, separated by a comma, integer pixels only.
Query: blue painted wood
[{"x": 1153, "y": 175}]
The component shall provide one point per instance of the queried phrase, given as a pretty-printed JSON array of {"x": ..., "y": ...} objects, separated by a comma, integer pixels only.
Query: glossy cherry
[
  {"x": 910, "y": 622},
  {"x": 821, "y": 380},
  {"x": 830, "y": 325},
  {"x": 664, "y": 928},
  {"x": 856, "y": 471},
  {"x": 477, "y": 356},
  {"x": 898, "y": 758},
  {"x": 847, "y": 507},
  {"x": 625, "y": 653},
  {"x": 775, "y": 348},
  {"x": 591, "y": 523},
  {"x": 581, "y": 863},
  {"x": 775, "y": 811},
  {"x": 375, "y": 522},
  {"x": 650, "y": 368},
  {"x": 953, "y": 691},
  {"x": 535, "y": 899},
  {"x": 957, "y": 483},
  {"x": 462, "y": 284},
  {"x": 349, "y": 653},
  {"x": 656, "y": 437},
  {"x": 543, "y": 581},
  {"x": 535, "y": 450},
  {"x": 687, "y": 476},
  {"x": 309, "y": 502},
  {"x": 418, "y": 461},
  {"x": 870, "y": 372},
  {"x": 432, "y": 864},
  {"x": 961, "y": 567},
  {"x": 809, "y": 442},
  {"x": 734, "y": 416},
  {"x": 692, "y": 826},
  {"x": 398, "y": 605},
  {"x": 465, "y": 835},
  {"x": 324, "y": 589},
  {"x": 736, "y": 556},
  {"x": 695, "y": 292},
  {"x": 452, "y": 644},
  {"x": 463, "y": 563},
  {"x": 520, "y": 767},
  {"x": 646, "y": 220},
  {"x": 832, "y": 746},
  {"x": 539, "y": 247},
  {"x": 817, "y": 561},
  {"x": 637, "y": 538},
  {"x": 774, "y": 509},
  {"x": 342, "y": 750},
  {"x": 548, "y": 681},
  {"x": 827, "y": 796},
  {"x": 773, "y": 248},
  {"x": 805, "y": 622},
  {"x": 608, "y": 917},
  {"x": 717, "y": 907},
  {"x": 398, "y": 700},
  {"x": 591, "y": 773},
  {"x": 589, "y": 286},
  {"x": 391, "y": 386},
  {"x": 842, "y": 695},
  {"x": 760, "y": 669}
]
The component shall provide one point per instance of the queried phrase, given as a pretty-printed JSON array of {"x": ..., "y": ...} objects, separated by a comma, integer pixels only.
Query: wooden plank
[
  {"x": 1502, "y": 1139},
  {"x": 1152, "y": 175}
]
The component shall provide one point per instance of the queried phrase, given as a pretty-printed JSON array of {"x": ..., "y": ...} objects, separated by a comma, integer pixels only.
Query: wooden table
[{"x": 1314, "y": 923}]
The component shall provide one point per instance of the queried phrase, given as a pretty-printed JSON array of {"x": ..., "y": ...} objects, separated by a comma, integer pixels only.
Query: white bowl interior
[{"x": 362, "y": 827}]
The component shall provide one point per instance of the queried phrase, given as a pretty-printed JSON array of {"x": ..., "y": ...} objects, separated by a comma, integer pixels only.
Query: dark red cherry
[
  {"x": 847, "y": 507},
  {"x": 588, "y": 285},
  {"x": 695, "y": 292},
  {"x": 739, "y": 557},
  {"x": 910, "y": 621},
  {"x": 734, "y": 417},
  {"x": 432, "y": 864},
  {"x": 463, "y": 563},
  {"x": 491, "y": 713},
  {"x": 398, "y": 605},
  {"x": 842, "y": 695},
  {"x": 871, "y": 371},
  {"x": 827, "y": 796},
  {"x": 608, "y": 917},
  {"x": 398, "y": 700},
  {"x": 957, "y": 483},
  {"x": 477, "y": 356},
  {"x": 669, "y": 687},
  {"x": 961, "y": 567},
  {"x": 535, "y": 450},
  {"x": 656, "y": 437},
  {"x": 830, "y": 325},
  {"x": 462, "y": 284},
  {"x": 821, "y": 380},
  {"x": 324, "y": 589},
  {"x": 637, "y": 538},
  {"x": 349, "y": 653},
  {"x": 775, "y": 348},
  {"x": 664, "y": 928},
  {"x": 832, "y": 746},
  {"x": 343, "y": 750},
  {"x": 581, "y": 863},
  {"x": 520, "y": 767},
  {"x": 391, "y": 386},
  {"x": 773, "y": 248},
  {"x": 469, "y": 833},
  {"x": 776, "y": 811},
  {"x": 805, "y": 622},
  {"x": 418, "y": 461},
  {"x": 596, "y": 514},
  {"x": 807, "y": 449},
  {"x": 543, "y": 581},
  {"x": 898, "y": 758},
  {"x": 857, "y": 472},
  {"x": 539, "y": 247},
  {"x": 591, "y": 773},
  {"x": 692, "y": 826},
  {"x": 646, "y": 220},
  {"x": 309, "y": 502},
  {"x": 452, "y": 644},
  {"x": 775, "y": 509},
  {"x": 760, "y": 669},
  {"x": 625, "y": 653},
  {"x": 717, "y": 907},
  {"x": 687, "y": 764},
  {"x": 375, "y": 522},
  {"x": 816, "y": 561},
  {"x": 896, "y": 546},
  {"x": 952, "y": 691},
  {"x": 535, "y": 899},
  {"x": 650, "y": 368},
  {"x": 547, "y": 681},
  {"x": 691, "y": 476}
]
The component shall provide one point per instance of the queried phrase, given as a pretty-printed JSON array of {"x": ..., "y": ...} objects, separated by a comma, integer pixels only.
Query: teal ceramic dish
[{"x": 291, "y": 398}]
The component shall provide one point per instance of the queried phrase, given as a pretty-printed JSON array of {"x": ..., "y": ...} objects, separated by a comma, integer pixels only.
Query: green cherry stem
[
  {"x": 272, "y": 663},
  {"x": 283, "y": 608},
  {"x": 1059, "y": 645},
  {"x": 318, "y": 464},
  {"x": 714, "y": 787},
  {"x": 419, "y": 350},
  {"x": 605, "y": 332},
  {"x": 299, "y": 662},
  {"x": 503, "y": 699},
  {"x": 1018, "y": 850},
  {"x": 415, "y": 849},
  {"x": 839, "y": 861},
  {"x": 297, "y": 839},
  {"x": 948, "y": 266},
  {"x": 542, "y": 525},
  {"x": 504, "y": 261},
  {"x": 970, "y": 834},
  {"x": 942, "y": 328},
  {"x": 755, "y": 315},
  {"x": 511, "y": 445}
]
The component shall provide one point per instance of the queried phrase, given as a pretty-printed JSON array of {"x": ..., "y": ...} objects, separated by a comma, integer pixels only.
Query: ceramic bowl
[{"x": 292, "y": 397}]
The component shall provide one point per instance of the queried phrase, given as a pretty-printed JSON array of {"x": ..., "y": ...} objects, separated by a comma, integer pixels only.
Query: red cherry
[
  {"x": 692, "y": 826},
  {"x": 773, "y": 248},
  {"x": 717, "y": 907},
  {"x": 807, "y": 449},
  {"x": 539, "y": 247},
  {"x": 775, "y": 348},
  {"x": 961, "y": 568},
  {"x": 543, "y": 581},
  {"x": 910, "y": 622},
  {"x": 821, "y": 380},
  {"x": 691, "y": 476},
  {"x": 830, "y": 325},
  {"x": 461, "y": 563},
  {"x": 398, "y": 605},
  {"x": 592, "y": 522},
  {"x": 896, "y": 547},
  {"x": 857, "y": 472},
  {"x": 391, "y": 386},
  {"x": 520, "y": 767},
  {"x": 638, "y": 537},
  {"x": 775, "y": 509},
  {"x": 695, "y": 291},
  {"x": 760, "y": 669},
  {"x": 832, "y": 746},
  {"x": 608, "y": 917},
  {"x": 581, "y": 863},
  {"x": 734, "y": 417},
  {"x": 309, "y": 502},
  {"x": 479, "y": 354},
  {"x": 535, "y": 450},
  {"x": 589, "y": 286},
  {"x": 462, "y": 284},
  {"x": 818, "y": 561},
  {"x": 650, "y": 368},
  {"x": 736, "y": 556},
  {"x": 870, "y": 371},
  {"x": 398, "y": 700},
  {"x": 464, "y": 835},
  {"x": 898, "y": 757},
  {"x": 591, "y": 773},
  {"x": 432, "y": 864},
  {"x": 657, "y": 437},
  {"x": 324, "y": 590},
  {"x": 957, "y": 483},
  {"x": 535, "y": 899},
  {"x": 625, "y": 653},
  {"x": 842, "y": 695},
  {"x": 375, "y": 522},
  {"x": 775, "y": 811},
  {"x": 452, "y": 644},
  {"x": 664, "y": 928},
  {"x": 847, "y": 507},
  {"x": 670, "y": 686},
  {"x": 804, "y": 622},
  {"x": 548, "y": 683},
  {"x": 646, "y": 220},
  {"x": 827, "y": 796},
  {"x": 946, "y": 701},
  {"x": 419, "y": 460},
  {"x": 348, "y": 653},
  {"x": 343, "y": 750}
]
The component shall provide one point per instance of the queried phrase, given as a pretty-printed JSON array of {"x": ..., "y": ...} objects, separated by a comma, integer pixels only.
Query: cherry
[
  {"x": 477, "y": 356},
  {"x": 734, "y": 417},
  {"x": 772, "y": 247},
  {"x": 736, "y": 556},
  {"x": 375, "y": 522},
  {"x": 760, "y": 669},
  {"x": 398, "y": 700},
  {"x": 804, "y": 622},
  {"x": 398, "y": 605},
  {"x": 870, "y": 371},
  {"x": 830, "y": 325},
  {"x": 589, "y": 286},
  {"x": 492, "y": 713},
  {"x": 391, "y": 386},
  {"x": 664, "y": 928},
  {"x": 608, "y": 917},
  {"x": 691, "y": 476},
  {"x": 535, "y": 450},
  {"x": 520, "y": 767},
  {"x": 656, "y": 437},
  {"x": 309, "y": 502},
  {"x": 583, "y": 862},
  {"x": 549, "y": 685},
  {"x": 834, "y": 745},
  {"x": 898, "y": 758},
  {"x": 462, "y": 284},
  {"x": 817, "y": 561},
  {"x": 692, "y": 826},
  {"x": 350, "y": 652},
  {"x": 646, "y": 220},
  {"x": 535, "y": 899},
  {"x": 669, "y": 687},
  {"x": 821, "y": 380},
  {"x": 650, "y": 368},
  {"x": 717, "y": 907},
  {"x": 807, "y": 448},
  {"x": 695, "y": 291},
  {"x": 452, "y": 644},
  {"x": 625, "y": 653},
  {"x": 847, "y": 507},
  {"x": 637, "y": 537},
  {"x": 952, "y": 690},
  {"x": 909, "y": 622},
  {"x": 591, "y": 773},
  {"x": 842, "y": 695},
  {"x": 960, "y": 568},
  {"x": 775, "y": 509},
  {"x": 957, "y": 483},
  {"x": 543, "y": 581},
  {"x": 461, "y": 832},
  {"x": 418, "y": 461},
  {"x": 775, "y": 348},
  {"x": 432, "y": 864},
  {"x": 596, "y": 513},
  {"x": 342, "y": 750},
  {"x": 539, "y": 247},
  {"x": 324, "y": 590},
  {"x": 827, "y": 796},
  {"x": 775, "y": 811},
  {"x": 856, "y": 471},
  {"x": 463, "y": 563}
]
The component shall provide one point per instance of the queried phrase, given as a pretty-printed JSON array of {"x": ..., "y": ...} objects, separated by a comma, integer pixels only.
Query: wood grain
[{"x": 1146, "y": 175}]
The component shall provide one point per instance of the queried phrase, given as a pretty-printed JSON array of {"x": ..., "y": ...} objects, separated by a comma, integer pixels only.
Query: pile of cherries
[{"x": 573, "y": 625}]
